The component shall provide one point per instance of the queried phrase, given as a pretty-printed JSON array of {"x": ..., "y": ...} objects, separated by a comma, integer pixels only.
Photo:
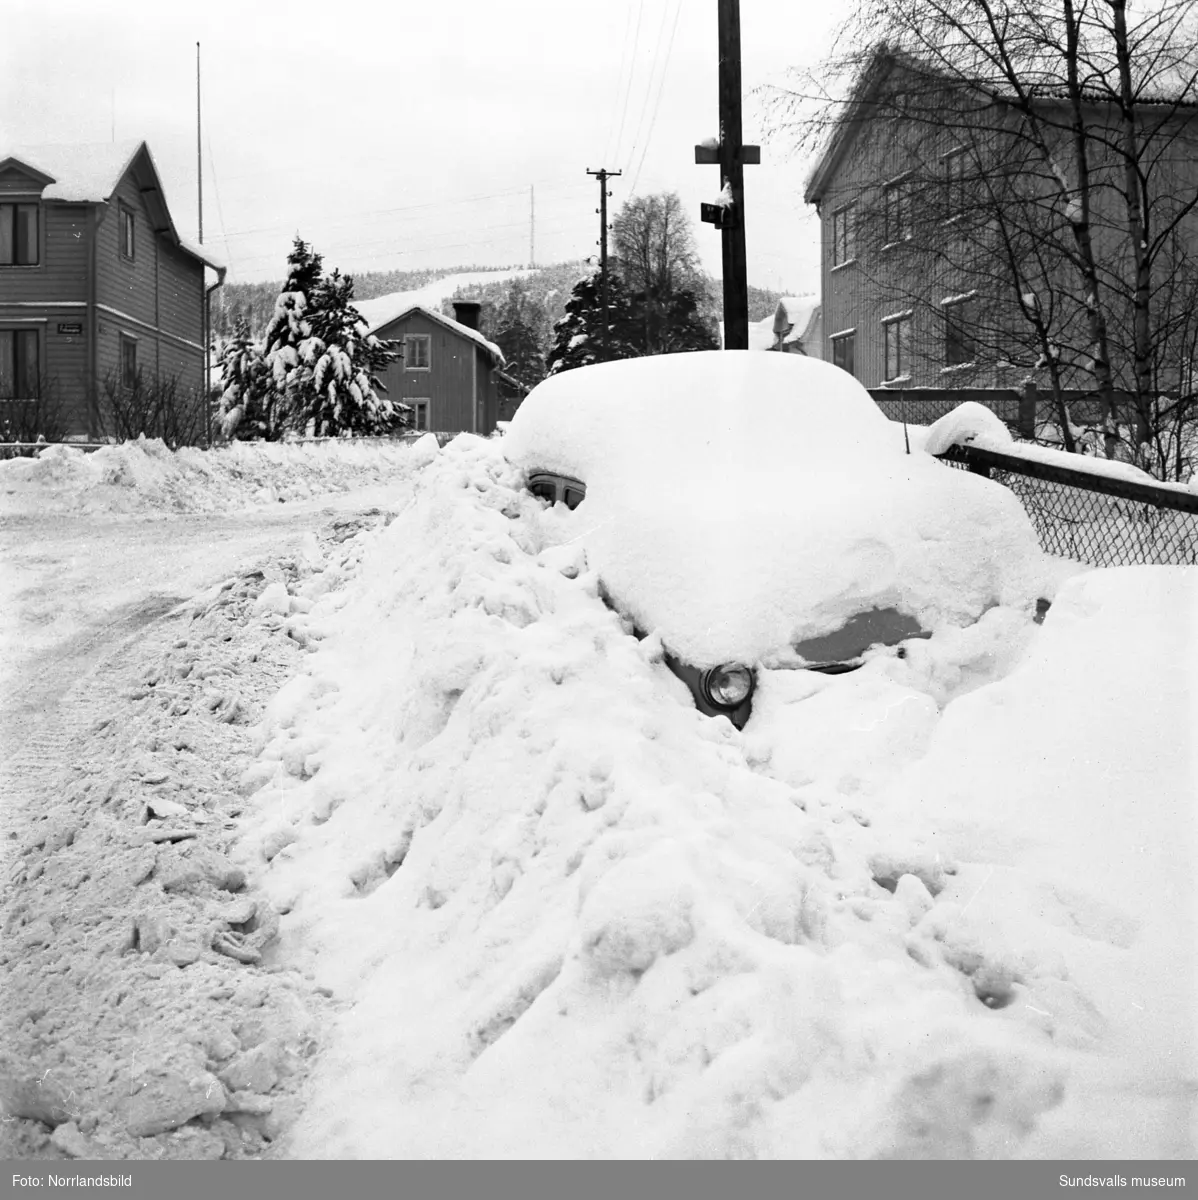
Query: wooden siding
[
  {"x": 882, "y": 281},
  {"x": 457, "y": 365},
  {"x": 61, "y": 272},
  {"x": 51, "y": 293},
  {"x": 157, "y": 297}
]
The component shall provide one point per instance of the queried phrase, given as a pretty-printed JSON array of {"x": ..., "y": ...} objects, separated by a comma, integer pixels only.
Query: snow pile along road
[
  {"x": 574, "y": 917},
  {"x": 145, "y": 476}
]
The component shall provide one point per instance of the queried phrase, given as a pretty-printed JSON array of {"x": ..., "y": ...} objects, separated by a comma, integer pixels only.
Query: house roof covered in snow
[
  {"x": 799, "y": 312},
  {"x": 90, "y": 173},
  {"x": 378, "y": 318}
]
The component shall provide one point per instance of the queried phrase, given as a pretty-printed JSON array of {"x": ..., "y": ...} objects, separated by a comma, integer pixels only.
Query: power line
[
  {"x": 636, "y": 140},
  {"x": 657, "y": 103},
  {"x": 413, "y": 248},
  {"x": 379, "y": 212},
  {"x": 640, "y": 11},
  {"x": 619, "y": 79}
]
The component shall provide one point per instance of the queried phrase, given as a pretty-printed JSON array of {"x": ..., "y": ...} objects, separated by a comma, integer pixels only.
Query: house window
[
  {"x": 420, "y": 411},
  {"x": 959, "y": 344},
  {"x": 896, "y": 208},
  {"x": 126, "y": 232},
  {"x": 19, "y": 364},
  {"x": 954, "y": 184},
  {"x": 128, "y": 362},
  {"x": 844, "y": 247},
  {"x": 416, "y": 352},
  {"x": 18, "y": 235},
  {"x": 842, "y": 351},
  {"x": 896, "y": 332}
]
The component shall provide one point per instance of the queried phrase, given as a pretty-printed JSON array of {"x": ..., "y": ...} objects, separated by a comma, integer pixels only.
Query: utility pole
[
  {"x": 728, "y": 215},
  {"x": 532, "y": 225},
  {"x": 603, "y": 175}
]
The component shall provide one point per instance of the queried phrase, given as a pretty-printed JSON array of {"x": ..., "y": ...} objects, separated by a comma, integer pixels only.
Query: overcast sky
[{"x": 405, "y": 135}]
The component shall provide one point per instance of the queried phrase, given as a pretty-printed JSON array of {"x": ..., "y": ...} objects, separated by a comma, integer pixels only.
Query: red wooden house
[
  {"x": 96, "y": 283},
  {"x": 450, "y": 375}
]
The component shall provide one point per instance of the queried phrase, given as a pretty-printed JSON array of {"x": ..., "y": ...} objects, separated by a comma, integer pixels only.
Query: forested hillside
[{"x": 548, "y": 286}]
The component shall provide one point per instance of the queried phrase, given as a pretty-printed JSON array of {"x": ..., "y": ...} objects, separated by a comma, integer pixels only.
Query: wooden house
[
  {"x": 794, "y": 327},
  {"x": 922, "y": 283},
  {"x": 96, "y": 283},
  {"x": 449, "y": 374}
]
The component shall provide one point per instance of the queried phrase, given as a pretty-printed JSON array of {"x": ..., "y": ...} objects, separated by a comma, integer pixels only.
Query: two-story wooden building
[
  {"x": 948, "y": 256},
  {"x": 449, "y": 374},
  {"x": 96, "y": 284}
]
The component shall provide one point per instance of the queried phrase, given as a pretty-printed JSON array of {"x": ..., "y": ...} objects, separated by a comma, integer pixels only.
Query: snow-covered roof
[
  {"x": 80, "y": 172},
  {"x": 800, "y": 312},
  {"x": 90, "y": 172},
  {"x": 381, "y": 309},
  {"x": 376, "y": 324}
]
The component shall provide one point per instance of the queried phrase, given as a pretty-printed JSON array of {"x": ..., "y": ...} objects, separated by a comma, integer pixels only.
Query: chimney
[{"x": 465, "y": 312}]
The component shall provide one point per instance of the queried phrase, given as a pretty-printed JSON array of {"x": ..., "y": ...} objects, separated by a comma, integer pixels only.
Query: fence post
[{"x": 1028, "y": 401}]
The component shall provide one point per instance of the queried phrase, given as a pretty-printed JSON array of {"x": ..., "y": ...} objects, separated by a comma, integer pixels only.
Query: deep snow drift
[
  {"x": 938, "y": 907},
  {"x": 146, "y": 477},
  {"x": 941, "y": 906}
]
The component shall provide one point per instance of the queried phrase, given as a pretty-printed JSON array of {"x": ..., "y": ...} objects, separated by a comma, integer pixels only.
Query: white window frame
[
  {"x": 411, "y": 340},
  {"x": 123, "y": 340},
  {"x": 843, "y": 336},
  {"x": 16, "y": 202},
  {"x": 946, "y": 306},
  {"x": 127, "y": 225},
  {"x": 901, "y": 188},
  {"x": 417, "y": 403},
  {"x": 951, "y": 181},
  {"x": 900, "y": 321},
  {"x": 843, "y": 216},
  {"x": 38, "y": 332}
]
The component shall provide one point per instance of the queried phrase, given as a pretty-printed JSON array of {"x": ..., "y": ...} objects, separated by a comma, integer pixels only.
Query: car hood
[{"x": 741, "y": 574}]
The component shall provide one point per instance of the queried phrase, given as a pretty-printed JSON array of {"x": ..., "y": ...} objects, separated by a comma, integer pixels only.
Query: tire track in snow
[{"x": 43, "y": 716}]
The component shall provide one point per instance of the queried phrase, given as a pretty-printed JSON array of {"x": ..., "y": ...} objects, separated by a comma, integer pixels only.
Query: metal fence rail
[{"x": 1096, "y": 519}]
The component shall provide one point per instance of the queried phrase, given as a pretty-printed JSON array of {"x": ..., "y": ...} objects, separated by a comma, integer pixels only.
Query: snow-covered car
[{"x": 759, "y": 510}]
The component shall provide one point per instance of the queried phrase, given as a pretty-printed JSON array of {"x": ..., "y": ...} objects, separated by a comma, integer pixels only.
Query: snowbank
[
  {"x": 569, "y": 916},
  {"x": 739, "y": 503},
  {"x": 145, "y": 476}
]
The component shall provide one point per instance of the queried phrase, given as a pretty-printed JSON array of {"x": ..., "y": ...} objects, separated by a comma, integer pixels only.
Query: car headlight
[{"x": 728, "y": 686}]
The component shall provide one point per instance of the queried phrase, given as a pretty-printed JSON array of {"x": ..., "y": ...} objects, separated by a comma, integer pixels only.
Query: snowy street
[{"x": 360, "y": 826}]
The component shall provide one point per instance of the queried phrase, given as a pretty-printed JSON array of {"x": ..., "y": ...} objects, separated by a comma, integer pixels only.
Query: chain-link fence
[{"x": 1090, "y": 517}]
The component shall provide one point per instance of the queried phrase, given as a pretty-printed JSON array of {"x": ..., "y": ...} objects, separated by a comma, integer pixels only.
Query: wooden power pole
[
  {"x": 603, "y": 175},
  {"x": 728, "y": 215}
]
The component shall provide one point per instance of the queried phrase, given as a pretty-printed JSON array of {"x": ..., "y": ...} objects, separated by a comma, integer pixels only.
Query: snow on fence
[{"x": 1097, "y": 519}]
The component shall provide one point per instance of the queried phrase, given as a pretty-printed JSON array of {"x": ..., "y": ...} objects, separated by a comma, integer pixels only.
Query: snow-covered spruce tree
[
  {"x": 288, "y": 331},
  {"x": 580, "y": 338},
  {"x": 322, "y": 364},
  {"x": 340, "y": 364},
  {"x": 516, "y": 333},
  {"x": 247, "y": 391}
]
